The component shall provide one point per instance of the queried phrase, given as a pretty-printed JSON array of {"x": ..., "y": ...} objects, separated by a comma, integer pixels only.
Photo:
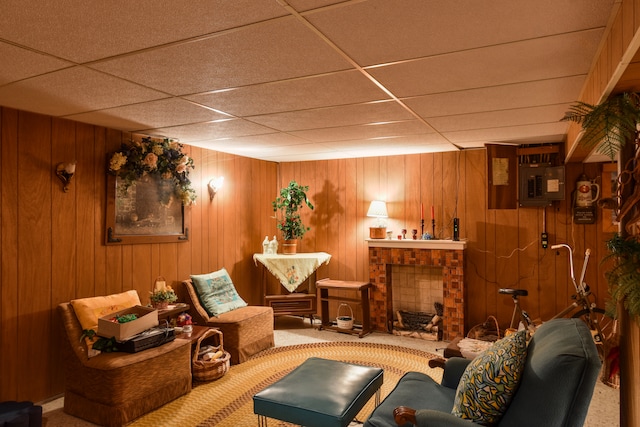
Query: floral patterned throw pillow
[{"x": 490, "y": 381}]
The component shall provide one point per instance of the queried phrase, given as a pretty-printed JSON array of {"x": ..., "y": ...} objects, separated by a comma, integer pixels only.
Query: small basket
[
  {"x": 487, "y": 331},
  {"x": 345, "y": 322},
  {"x": 209, "y": 370}
]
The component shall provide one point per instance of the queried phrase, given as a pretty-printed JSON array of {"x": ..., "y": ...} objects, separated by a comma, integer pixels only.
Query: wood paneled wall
[
  {"x": 504, "y": 248},
  {"x": 52, "y": 242}
]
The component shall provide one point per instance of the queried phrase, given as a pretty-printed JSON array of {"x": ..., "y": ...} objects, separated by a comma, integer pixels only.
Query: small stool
[
  {"x": 361, "y": 288},
  {"x": 515, "y": 293},
  {"x": 319, "y": 393}
]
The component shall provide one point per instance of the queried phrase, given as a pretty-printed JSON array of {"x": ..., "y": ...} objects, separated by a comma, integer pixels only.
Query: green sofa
[{"x": 555, "y": 389}]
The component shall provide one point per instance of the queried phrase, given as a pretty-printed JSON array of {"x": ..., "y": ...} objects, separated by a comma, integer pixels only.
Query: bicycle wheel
[{"x": 597, "y": 316}]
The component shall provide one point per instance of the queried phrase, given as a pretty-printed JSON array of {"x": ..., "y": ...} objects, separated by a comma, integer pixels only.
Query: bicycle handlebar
[
  {"x": 564, "y": 245},
  {"x": 587, "y": 253}
]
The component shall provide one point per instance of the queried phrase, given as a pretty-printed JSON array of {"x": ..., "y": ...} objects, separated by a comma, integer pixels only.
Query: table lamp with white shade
[{"x": 378, "y": 210}]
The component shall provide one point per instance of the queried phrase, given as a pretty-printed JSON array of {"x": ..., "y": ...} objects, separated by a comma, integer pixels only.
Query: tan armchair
[
  {"x": 246, "y": 330},
  {"x": 113, "y": 389}
]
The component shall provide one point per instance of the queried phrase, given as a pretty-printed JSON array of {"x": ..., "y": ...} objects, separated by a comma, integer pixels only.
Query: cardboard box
[{"x": 147, "y": 318}]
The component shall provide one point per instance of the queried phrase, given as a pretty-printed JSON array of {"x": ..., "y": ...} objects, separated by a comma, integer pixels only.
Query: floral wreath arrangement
[{"x": 162, "y": 157}]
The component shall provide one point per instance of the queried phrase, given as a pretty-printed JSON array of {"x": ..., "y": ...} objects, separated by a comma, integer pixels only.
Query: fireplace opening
[{"x": 417, "y": 301}]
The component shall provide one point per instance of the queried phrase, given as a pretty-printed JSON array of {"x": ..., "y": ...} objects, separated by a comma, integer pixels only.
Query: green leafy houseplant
[
  {"x": 608, "y": 125},
  {"x": 287, "y": 205},
  {"x": 624, "y": 277}
]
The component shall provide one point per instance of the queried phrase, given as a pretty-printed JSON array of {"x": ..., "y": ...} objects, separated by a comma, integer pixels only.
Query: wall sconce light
[
  {"x": 378, "y": 210},
  {"x": 65, "y": 172},
  {"x": 214, "y": 185}
]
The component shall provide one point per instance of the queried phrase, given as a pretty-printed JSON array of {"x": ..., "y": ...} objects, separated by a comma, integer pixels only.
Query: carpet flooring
[{"x": 228, "y": 401}]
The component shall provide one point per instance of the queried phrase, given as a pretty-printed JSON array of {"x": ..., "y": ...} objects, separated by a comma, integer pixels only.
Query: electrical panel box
[{"x": 540, "y": 184}]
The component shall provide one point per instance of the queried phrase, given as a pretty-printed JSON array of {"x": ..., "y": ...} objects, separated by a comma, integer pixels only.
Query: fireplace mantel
[
  {"x": 447, "y": 254},
  {"x": 418, "y": 244}
]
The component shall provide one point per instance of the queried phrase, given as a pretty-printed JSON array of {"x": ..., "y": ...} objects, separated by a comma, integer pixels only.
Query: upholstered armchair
[
  {"x": 246, "y": 330},
  {"x": 113, "y": 389},
  {"x": 554, "y": 389}
]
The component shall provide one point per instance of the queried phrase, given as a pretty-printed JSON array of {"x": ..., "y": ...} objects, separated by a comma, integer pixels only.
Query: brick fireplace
[{"x": 435, "y": 253}]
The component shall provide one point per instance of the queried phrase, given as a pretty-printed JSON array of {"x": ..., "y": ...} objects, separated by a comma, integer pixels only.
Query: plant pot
[
  {"x": 161, "y": 305},
  {"x": 289, "y": 247}
]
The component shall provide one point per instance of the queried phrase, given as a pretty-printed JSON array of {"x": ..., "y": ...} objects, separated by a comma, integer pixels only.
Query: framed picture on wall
[{"x": 148, "y": 211}]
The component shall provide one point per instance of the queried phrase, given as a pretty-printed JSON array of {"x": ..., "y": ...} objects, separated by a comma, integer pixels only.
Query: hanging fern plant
[
  {"x": 608, "y": 125},
  {"x": 624, "y": 278}
]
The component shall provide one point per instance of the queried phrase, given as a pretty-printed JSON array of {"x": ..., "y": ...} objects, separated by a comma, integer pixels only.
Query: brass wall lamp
[
  {"x": 65, "y": 172},
  {"x": 215, "y": 184}
]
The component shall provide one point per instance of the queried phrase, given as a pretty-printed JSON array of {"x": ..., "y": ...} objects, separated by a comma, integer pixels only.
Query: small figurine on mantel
[
  {"x": 273, "y": 246},
  {"x": 265, "y": 245}
]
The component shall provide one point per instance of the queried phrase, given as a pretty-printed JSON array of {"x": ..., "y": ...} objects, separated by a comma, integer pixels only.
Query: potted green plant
[
  {"x": 624, "y": 277},
  {"x": 161, "y": 298},
  {"x": 609, "y": 126},
  {"x": 287, "y": 206}
]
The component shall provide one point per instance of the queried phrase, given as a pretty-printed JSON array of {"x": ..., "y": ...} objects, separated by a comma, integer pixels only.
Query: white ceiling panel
[
  {"x": 18, "y": 63},
  {"x": 377, "y": 130},
  {"x": 255, "y": 54},
  {"x": 73, "y": 90},
  {"x": 84, "y": 31},
  {"x": 502, "y": 118},
  {"x": 165, "y": 112},
  {"x": 496, "y": 98},
  {"x": 546, "y": 132},
  {"x": 342, "y": 88},
  {"x": 291, "y": 80},
  {"x": 421, "y": 28},
  {"x": 372, "y": 112},
  {"x": 225, "y": 128},
  {"x": 527, "y": 61}
]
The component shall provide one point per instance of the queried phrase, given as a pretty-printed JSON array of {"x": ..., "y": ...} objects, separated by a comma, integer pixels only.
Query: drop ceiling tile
[
  {"x": 548, "y": 132},
  {"x": 71, "y": 91},
  {"x": 372, "y": 112},
  {"x": 211, "y": 130},
  {"x": 429, "y": 27},
  {"x": 396, "y": 150},
  {"x": 397, "y": 142},
  {"x": 161, "y": 113},
  {"x": 293, "y": 153},
  {"x": 502, "y": 118},
  {"x": 252, "y": 144},
  {"x": 531, "y": 60},
  {"x": 84, "y": 31},
  {"x": 347, "y": 87},
  {"x": 379, "y": 130},
  {"x": 18, "y": 63},
  {"x": 518, "y": 95},
  {"x": 305, "y": 5},
  {"x": 273, "y": 50}
]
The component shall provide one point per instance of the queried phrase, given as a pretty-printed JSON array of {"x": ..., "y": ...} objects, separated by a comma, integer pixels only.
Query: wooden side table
[{"x": 360, "y": 288}]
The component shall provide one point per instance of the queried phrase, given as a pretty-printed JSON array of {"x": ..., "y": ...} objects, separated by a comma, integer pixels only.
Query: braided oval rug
[{"x": 228, "y": 400}]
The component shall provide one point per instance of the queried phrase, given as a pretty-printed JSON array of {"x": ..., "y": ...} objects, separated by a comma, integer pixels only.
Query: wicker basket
[
  {"x": 487, "y": 331},
  {"x": 345, "y": 321},
  {"x": 209, "y": 370}
]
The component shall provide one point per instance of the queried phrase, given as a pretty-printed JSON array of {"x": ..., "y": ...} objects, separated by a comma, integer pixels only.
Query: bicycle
[{"x": 601, "y": 325}]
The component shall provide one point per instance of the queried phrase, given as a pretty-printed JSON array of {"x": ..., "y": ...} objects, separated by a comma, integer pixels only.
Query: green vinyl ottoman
[{"x": 319, "y": 393}]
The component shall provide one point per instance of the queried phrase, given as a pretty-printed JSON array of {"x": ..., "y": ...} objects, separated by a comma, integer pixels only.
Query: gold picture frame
[{"x": 147, "y": 212}]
